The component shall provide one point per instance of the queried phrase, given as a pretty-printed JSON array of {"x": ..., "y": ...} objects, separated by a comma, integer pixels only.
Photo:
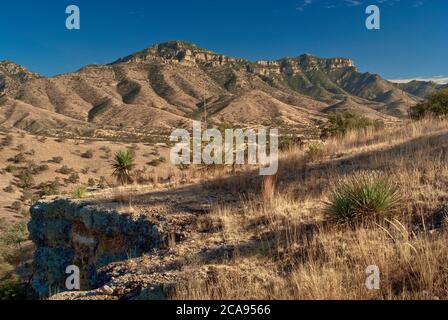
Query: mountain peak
[
  {"x": 178, "y": 51},
  {"x": 10, "y": 68},
  {"x": 311, "y": 62}
]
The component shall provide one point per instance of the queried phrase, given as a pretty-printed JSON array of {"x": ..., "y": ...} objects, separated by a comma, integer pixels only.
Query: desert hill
[{"x": 165, "y": 86}]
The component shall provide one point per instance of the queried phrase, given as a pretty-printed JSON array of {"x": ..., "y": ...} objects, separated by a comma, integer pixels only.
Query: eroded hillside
[{"x": 168, "y": 85}]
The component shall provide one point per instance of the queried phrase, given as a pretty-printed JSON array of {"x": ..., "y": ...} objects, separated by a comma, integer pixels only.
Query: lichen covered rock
[{"x": 68, "y": 232}]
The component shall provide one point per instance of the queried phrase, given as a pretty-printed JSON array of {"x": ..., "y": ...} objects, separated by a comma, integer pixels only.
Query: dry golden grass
[{"x": 281, "y": 246}]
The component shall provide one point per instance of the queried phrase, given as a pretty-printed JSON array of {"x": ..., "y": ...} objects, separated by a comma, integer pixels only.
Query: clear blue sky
[{"x": 412, "y": 41}]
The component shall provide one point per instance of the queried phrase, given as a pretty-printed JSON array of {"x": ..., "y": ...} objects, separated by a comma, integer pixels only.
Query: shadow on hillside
[{"x": 295, "y": 174}]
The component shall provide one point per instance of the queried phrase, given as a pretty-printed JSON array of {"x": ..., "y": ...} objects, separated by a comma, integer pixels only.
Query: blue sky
[{"x": 412, "y": 41}]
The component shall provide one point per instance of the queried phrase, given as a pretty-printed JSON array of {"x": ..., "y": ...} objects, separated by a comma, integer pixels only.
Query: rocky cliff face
[
  {"x": 179, "y": 51},
  {"x": 12, "y": 76},
  {"x": 74, "y": 233}
]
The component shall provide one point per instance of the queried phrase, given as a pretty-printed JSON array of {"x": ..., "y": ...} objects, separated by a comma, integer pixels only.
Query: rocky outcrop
[
  {"x": 68, "y": 232},
  {"x": 12, "y": 76}
]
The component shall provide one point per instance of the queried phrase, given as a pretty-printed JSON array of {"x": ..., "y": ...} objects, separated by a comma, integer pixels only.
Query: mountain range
[{"x": 169, "y": 84}]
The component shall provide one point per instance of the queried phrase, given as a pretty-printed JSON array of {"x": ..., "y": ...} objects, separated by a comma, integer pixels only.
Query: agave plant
[
  {"x": 123, "y": 165},
  {"x": 362, "y": 196}
]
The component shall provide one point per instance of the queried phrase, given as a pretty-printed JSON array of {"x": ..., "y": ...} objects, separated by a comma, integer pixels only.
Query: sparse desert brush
[
  {"x": 65, "y": 170},
  {"x": 87, "y": 155},
  {"x": 361, "y": 197},
  {"x": 57, "y": 159},
  {"x": 49, "y": 188},
  {"x": 7, "y": 140},
  {"x": 11, "y": 239},
  {"x": 16, "y": 205},
  {"x": 73, "y": 178},
  {"x": 156, "y": 162},
  {"x": 315, "y": 150},
  {"x": 80, "y": 192},
  {"x": 342, "y": 122},
  {"x": 9, "y": 189},
  {"x": 18, "y": 158},
  {"x": 91, "y": 182},
  {"x": 25, "y": 179}
]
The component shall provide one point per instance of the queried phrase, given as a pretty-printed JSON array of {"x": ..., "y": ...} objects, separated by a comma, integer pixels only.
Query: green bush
[
  {"x": 341, "y": 122},
  {"x": 80, "y": 192},
  {"x": 436, "y": 104},
  {"x": 362, "y": 196}
]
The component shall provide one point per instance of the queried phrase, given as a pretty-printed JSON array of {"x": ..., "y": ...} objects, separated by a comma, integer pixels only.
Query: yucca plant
[
  {"x": 362, "y": 196},
  {"x": 123, "y": 165}
]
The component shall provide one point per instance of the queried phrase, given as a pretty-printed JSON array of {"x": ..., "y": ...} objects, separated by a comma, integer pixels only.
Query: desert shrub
[
  {"x": 11, "y": 288},
  {"x": 87, "y": 155},
  {"x": 341, "y": 122},
  {"x": 288, "y": 142},
  {"x": 11, "y": 239},
  {"x": 73, "y": 178},
  {"x": 103, "y": 182},
  {"x": 80, "y": 192},
  {"x": 49, "y": 188},
  {"x": 8, "y": 189},
  {"x": 21, "y": 148},
  {"x": 18, "y": 158},
  {"x": 156, "y": 162},
  {"x": 36, "y": 169},
  {"x": 16, "y": 205},
  {"x": 26, "y": 179},
  {"x": 11, "y": 168},
  {"x": 7, "y": 140},
  {"x": 65, "y": 170},
  {"x": 41, "y": 168},
  {"x": 57, "y": 160},
  {"x": 91, "y": 182},
  {"x": 315, "y": 150},
  {"x": 436, "y": 104},
  {"x": 362, "y": 196}
]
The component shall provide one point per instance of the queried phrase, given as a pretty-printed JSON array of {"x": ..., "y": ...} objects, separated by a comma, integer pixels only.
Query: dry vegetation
[
  {"x": 281, "y": 246},
  {"x": 247, "y": 237}
]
